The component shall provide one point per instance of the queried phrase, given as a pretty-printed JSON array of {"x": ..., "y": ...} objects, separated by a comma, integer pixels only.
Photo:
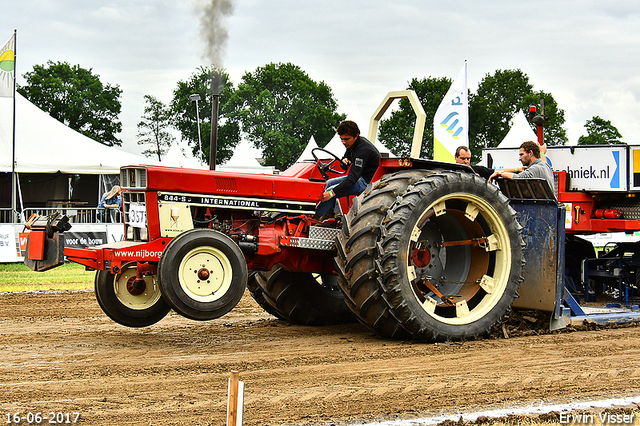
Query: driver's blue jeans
[{"x": 330, "y": 204}]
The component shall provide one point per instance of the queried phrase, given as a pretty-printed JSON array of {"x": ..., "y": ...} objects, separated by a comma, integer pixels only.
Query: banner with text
[
  {"x": 451, "y": 121},
  {"x": 13, "y": 241}
]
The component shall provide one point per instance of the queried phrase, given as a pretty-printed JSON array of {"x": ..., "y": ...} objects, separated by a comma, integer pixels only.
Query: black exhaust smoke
[{"x": 213, "y": 16}]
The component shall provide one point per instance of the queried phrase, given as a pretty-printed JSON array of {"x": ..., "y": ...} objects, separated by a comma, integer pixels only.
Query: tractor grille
[
  {"x": 226, "y": 184},
  {"x": 133, "y": 178},
  {"x": 130, "y": 198}
]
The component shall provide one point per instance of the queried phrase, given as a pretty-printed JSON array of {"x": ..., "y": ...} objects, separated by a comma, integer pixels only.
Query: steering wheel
[{"x": 327, "y": 167}]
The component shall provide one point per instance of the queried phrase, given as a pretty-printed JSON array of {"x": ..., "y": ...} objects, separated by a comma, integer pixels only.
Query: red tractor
[{"x": 429, "y": 250}]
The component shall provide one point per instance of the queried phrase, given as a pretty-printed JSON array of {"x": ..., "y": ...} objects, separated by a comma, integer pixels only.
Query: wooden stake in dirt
[{"x": 235, "y": 401}]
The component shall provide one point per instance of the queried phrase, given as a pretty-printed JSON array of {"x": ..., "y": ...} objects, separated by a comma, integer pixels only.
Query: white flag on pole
[
  {"x": 451, "y": 121},
  {"x": 7, "y": 67}
]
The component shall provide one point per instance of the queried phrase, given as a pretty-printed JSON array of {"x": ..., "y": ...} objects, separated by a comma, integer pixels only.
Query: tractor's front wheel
[
  {"x": 202, "y": 274},
  {"x": 127, "y": 301}
]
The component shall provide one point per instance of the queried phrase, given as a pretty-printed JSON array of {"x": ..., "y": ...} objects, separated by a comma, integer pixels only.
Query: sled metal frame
[{"x": 545, "y": 285}]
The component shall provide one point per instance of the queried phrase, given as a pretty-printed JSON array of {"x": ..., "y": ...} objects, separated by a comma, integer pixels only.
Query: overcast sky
[{"x": 585, "y": 53}]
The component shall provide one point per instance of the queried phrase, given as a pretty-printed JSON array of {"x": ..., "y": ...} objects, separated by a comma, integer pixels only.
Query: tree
[
  {"x": 76, "y": 97},
  {"x": 281, "y": 107},
  {"x": 152, "y": 130},
  {"x": 396, "y": 132},
  {"x": 600, "y": 132},
  {"x": 184, "y": 111},
  {"x": 498, "y": 98}
]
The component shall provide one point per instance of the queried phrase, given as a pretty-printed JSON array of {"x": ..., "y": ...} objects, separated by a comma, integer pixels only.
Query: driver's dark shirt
[{"x": 365, "y": 160}]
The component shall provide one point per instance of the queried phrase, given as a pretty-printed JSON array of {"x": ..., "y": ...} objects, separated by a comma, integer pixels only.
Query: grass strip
[{"x": 16, "y": 277}]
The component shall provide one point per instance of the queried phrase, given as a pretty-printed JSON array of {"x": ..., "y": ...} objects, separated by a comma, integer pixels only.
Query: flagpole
[{"x": 14, "y": 204}]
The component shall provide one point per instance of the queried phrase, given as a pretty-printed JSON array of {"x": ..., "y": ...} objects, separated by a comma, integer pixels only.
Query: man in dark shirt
[
  {"x": 364, "y": 159},
  {"x": 463, "y": 156}
]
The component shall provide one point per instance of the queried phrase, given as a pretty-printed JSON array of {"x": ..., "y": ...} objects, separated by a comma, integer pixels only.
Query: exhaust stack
[{"x": 217, "y": 84}]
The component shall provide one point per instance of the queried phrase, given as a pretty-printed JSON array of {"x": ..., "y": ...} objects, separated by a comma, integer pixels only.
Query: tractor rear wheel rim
[{"x": 469, "y": 258}]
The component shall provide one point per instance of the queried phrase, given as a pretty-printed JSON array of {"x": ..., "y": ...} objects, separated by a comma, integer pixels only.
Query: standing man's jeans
[{"x": 330, "y": 204}]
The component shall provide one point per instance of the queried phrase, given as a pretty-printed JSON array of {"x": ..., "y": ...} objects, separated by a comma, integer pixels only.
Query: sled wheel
[
  {"x": 577, "y": 249},
  {"x": 443, "y": 262},
  {"x": 304, "y": 298},
  {"x": 258, "y": 295},
  {"x": 128, "y": 303},
  {"x": 202, "y": 274}
]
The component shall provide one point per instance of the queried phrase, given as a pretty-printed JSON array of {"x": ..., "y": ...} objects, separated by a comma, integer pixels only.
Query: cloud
[{"x": 586, "y": 54}]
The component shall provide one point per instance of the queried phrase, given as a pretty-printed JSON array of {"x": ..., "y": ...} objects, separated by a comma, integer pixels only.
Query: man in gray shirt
[{"x": 534, "y": 167}]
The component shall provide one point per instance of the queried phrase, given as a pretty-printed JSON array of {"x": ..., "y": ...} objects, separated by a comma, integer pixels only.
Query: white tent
[
  {"x": 335, "y": 144},
  {"x": 245, "y": 160},
  {"x": 306, "y": 154},
  {"x": 180, "y": 155},
  {"x": 520, "y": 132},
  {"x": 45, "y": 145},
  {"x": 355, "y": 115},
  {"x": 336, "y": 147}
]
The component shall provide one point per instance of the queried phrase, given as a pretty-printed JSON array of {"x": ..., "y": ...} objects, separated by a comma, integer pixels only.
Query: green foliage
[
  {"x": 491, "y": 110},
  {"x": 396, "y": 132},
  {"x": 600, "y": 132},
  {"x": 280, "y": 108},
  {"x": 184, "y": 112},
  {"x": 152, "y": 129},
  {"x": 76, "y": 97},
  {"x": 498, "y": 98}
]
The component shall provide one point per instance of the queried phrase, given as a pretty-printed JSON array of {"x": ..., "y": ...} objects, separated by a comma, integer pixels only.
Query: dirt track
[{"x": 60, "y": 353}]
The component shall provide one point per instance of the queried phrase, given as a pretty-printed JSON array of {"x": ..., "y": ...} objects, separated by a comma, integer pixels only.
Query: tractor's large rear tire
[
  {"x": 259, "y": 296},
  {"x": 302, "y": 298},
  {"x": 202, "y": 274},
  {"x": 128, "y": 303},
  {"x": 433, "y": 255}
]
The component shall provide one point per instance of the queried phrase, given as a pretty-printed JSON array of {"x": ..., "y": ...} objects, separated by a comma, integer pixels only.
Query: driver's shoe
[{"x": 328, "y": 215}]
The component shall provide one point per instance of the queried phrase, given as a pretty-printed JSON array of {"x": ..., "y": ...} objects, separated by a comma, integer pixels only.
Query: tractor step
[{"x": 320, "y": 238}]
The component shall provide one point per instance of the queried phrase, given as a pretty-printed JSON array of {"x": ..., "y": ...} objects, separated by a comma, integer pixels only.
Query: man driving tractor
[{"x": 364, "y": 159}]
